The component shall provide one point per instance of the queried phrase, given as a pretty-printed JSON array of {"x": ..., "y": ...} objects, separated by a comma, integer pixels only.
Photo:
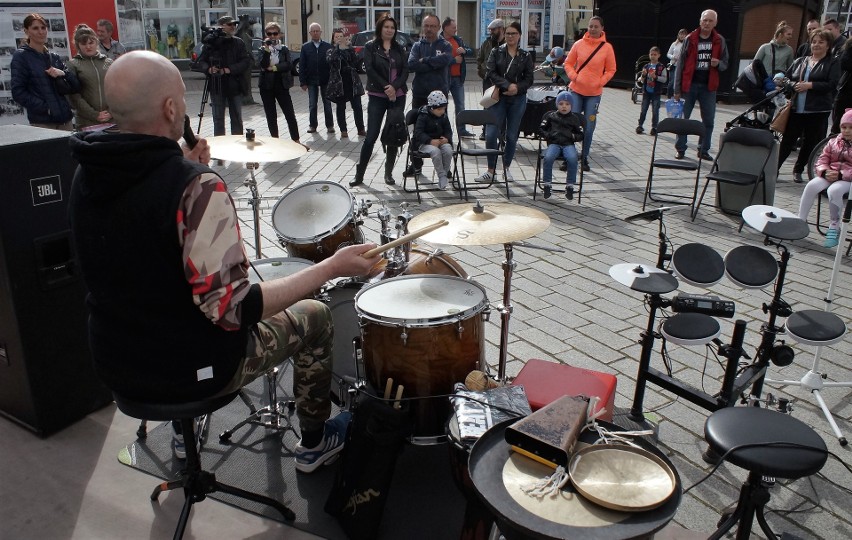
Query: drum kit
[{"x": 747, "y": 267}]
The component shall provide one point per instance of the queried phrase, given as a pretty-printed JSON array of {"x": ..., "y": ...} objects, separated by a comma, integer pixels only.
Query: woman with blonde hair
[
  {"x": 777, "y": 55},
  {"x": 90, "y": 67}
]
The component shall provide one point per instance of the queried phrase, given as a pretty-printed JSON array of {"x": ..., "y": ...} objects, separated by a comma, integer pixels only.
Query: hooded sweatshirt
[
  {"x": 149, "y": 339},
  {"x": 600, "y": 69}
]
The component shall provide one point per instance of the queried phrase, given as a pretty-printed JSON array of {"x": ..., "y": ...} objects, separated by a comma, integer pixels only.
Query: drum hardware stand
[
  {"x": 272, "y": 416},
  {"x": 254, "y": 202},
  {"x": 813, "y": 380},
  {"x": 506, "y": 306}
]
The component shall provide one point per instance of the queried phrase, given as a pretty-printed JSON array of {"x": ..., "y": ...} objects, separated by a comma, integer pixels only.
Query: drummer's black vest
[{"x": 149, "y": 340}]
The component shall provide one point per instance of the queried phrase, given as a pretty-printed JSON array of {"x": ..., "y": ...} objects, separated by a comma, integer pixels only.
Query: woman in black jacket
[
  {"x": 275, "y": 81},
  {"x": 814, "y": 80},
  {"x": 387, "y": 71},
  {"x": 344, "y": 83}
]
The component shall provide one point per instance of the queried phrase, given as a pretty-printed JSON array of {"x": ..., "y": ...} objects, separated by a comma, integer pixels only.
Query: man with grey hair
[
  {"x": 107, "y": 46},
  {"x": 314, "y": 73},
  {"x": 703, "y": 56}
]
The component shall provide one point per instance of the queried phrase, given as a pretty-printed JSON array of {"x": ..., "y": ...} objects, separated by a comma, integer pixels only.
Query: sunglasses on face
[{"x": 273, "y": 33}]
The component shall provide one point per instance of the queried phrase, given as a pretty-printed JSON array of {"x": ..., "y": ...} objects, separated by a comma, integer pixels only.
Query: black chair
[
  {"x": 195, "y": 482},
  {"x": 477, "y": 118},
  {"x": 675, "y": 126},
  {"x": 768, "y": 444},
  {"x": 410, "y": 120},
  {"x": 761, "y": 141},
  {"x": 538, "y": 172}
]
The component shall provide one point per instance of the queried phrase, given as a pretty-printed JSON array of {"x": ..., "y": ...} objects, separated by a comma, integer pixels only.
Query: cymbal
[
  {"x": 477, "y": 225},
  {"x": 643, "y": 278},
  {"x": 260, "y": 150},
  {"x": 775, "y": 222}
]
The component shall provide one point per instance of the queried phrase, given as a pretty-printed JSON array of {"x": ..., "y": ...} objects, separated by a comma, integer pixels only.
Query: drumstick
[
  {"x": 396, "y": 404},
  {"x": 403, "y": 239},
  {"x": 388, "y": 387}
]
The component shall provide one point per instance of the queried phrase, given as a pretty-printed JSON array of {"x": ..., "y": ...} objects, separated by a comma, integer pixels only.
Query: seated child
[
  {"x": 561, "y": 129},
  {"x": 834, "y": 172},
  {"x": 433, "y": 135},
  {"x": 655, "y": 78}
]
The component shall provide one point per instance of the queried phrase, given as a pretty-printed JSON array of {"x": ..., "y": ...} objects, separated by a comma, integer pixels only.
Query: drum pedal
[{"x": 706, "y": 304}]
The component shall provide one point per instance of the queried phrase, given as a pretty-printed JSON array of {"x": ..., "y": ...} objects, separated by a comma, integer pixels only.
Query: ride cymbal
[
  {"x": 477, "y": 225},
  {"x": 260, "y": 150},
  {"x": 775, "y": 222}
]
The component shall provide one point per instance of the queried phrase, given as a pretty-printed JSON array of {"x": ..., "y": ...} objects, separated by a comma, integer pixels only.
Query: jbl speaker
[{"x": 47, "y": 379}]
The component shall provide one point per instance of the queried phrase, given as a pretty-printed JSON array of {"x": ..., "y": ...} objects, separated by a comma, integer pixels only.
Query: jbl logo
[{"x": 46, "y": 190}]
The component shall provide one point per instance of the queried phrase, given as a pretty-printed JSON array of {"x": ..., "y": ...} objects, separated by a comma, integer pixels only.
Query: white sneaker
[
  {"x": 485, "y": 178},
  {"x": 508, "y": 174}
]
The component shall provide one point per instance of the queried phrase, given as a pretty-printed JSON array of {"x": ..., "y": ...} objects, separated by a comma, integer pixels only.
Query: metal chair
[
  {"x": 760, "y": 140},
  {"x": 410, "y": 120},
  {"x": 477, "y": 118},
  {"x": 675, "y": 126}
]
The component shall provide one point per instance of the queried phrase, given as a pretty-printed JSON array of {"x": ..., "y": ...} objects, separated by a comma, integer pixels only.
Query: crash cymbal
[
  {"x": 643, "y": 278},
  {"x": 260, "y": 150},
  {"x": 775, "y": 222},
  {"x": 477, "y": 225}
]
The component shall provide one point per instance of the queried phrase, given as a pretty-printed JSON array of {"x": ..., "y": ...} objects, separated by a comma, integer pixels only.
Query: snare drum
[
  {"x": 698, "y": 265},
  {"x": 426, "y": 333},
  {"x": 750, "y": 267},
  {"x": 690, "y": 329},
  {"x": 316, "y": 219},
  {"x": 278, "y": 267},
  {"x": 420, "y": 262}
]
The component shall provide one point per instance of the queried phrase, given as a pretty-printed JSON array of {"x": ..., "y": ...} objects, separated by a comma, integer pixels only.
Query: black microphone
[
  {"x": 188, "y": 134},
  {"x": 649, "y": 215}
]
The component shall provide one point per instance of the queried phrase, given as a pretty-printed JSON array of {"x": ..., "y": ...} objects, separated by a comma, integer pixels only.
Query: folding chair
[
  {"x": 675, "y": 126},
  {"x": 539, "y": 182},
  {"x": 758, "y": 140},
  {"x": 477, "y": 118},
  {"x": 410, "y": 120}
]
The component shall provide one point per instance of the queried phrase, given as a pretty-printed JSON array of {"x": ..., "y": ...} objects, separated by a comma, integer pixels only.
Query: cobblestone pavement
[{"x": 568, "y": 309}]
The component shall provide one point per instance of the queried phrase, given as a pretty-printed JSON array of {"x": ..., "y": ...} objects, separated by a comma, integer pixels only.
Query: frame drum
[
  {"x": 750, "y": 267},
  {"x": 316, "y": 219},
  {"x": 426, "y": 333},
  {"x": 698, "y": 265}
]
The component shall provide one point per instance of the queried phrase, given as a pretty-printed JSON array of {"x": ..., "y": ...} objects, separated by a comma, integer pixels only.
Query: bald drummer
[{"x": 172, "y": 314}]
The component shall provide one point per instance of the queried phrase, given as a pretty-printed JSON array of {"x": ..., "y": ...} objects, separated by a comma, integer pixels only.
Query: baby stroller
[
  {"x": 760, "y": 115},
  {"x": 638, "y": 81}
]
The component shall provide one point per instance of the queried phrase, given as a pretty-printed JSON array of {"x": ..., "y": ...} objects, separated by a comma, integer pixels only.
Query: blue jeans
[
  {"x": 653, "y": 101},
  {"x": 588, "y": 107},
  {"x": 554, "y": 151},
  {"x": 509, "y": 112},
  {"x": 235, "y": 110},
  {"x": 707, "y": 101},
  {"x": 314, "y": 92},
  {"x": 376, "y": 109},
  {"x": 457, "y": 91}
]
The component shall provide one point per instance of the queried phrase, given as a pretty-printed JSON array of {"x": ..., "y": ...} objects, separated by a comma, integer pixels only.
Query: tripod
[{"x": 813, "y": 380}]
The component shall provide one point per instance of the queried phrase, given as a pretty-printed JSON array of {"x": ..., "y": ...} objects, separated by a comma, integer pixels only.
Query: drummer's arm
[{"x": 214, "y": 260}]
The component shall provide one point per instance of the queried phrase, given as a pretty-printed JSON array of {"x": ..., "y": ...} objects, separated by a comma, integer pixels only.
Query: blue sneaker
[
  {"x": 178, "y": 445},
  {"x": 309, "y": 459},
  {"x": 831, "y": 238}
]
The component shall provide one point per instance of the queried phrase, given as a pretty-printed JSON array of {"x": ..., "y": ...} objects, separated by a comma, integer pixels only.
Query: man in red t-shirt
[{"x": 458, "y": 69}]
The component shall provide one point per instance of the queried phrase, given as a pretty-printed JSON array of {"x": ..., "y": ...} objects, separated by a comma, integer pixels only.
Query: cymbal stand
[
  {"x": 813, "y": 380},
  {"x": 506, "y": 307},
  {"x": 255, "y": 205}
]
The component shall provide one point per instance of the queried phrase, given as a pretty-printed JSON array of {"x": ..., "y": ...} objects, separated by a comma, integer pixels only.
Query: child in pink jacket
[{"x": 834, "y": 174}]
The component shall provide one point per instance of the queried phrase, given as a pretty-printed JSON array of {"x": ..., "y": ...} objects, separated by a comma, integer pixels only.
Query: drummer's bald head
[{"x": 145, "y": 93}]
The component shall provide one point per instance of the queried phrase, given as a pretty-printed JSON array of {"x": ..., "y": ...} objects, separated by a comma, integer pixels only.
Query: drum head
[
  {"x": 690, "y": 329},
  {"x": 698, "y": 265},
  {"x": 425, "y": 300},
  {"x": 269, "y": 269},
  {"x": 312, "y": 211},
  {"x": 815, "y": 327},
  {"x": 750, "y": 267}
]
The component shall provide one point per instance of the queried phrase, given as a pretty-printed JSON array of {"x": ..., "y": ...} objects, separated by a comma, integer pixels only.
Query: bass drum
[{"x": 420, "y": 262}]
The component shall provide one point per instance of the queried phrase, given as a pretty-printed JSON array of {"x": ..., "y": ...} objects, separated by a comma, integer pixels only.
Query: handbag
[
  {"x": 490, "y": 97},
  {"x": 779, "y": 123}
]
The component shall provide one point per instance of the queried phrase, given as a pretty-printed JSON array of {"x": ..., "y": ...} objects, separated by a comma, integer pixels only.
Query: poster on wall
[
  {"x": 130, "y": 24},
  {"x": 12, "y": 37}
]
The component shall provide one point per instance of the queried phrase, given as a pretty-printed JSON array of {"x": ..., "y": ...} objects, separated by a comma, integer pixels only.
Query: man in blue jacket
[
  {"x": 429, "y": 60},
  {"x": 458, "y": 69},
  {"x": 313, "y": 77}
]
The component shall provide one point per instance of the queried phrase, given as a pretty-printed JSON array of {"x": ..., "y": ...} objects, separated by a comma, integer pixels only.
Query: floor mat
[{"x": 423, "y": 501}]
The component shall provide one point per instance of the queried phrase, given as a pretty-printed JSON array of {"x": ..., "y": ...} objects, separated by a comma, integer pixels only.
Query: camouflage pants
[{"x": 304, "y": 332}]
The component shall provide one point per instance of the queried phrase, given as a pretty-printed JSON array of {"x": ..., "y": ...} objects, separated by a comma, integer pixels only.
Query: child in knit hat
[
  {"x": 833, "y": 174},
  {"x": 561, "y": 129}
]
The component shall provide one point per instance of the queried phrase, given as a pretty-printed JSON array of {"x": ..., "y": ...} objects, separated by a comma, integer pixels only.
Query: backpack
[{"x": 395, "y": 132}]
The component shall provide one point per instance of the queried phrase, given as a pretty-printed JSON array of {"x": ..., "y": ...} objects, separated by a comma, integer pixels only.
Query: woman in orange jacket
[{"x": 590, "y": 65}]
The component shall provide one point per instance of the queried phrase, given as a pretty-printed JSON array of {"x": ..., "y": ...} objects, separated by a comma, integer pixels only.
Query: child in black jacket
[
  {"x": 433, "y": 135},
  {"x": 561, "y": 129}
]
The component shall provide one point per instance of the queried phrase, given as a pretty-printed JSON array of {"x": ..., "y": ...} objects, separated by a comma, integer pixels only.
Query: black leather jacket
[
  {"x": 267, "y": 79},
  {"x": 377, "y": 64},
  {"x": 824, "y": 76},
  {"x": 520, "y": 71}
]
